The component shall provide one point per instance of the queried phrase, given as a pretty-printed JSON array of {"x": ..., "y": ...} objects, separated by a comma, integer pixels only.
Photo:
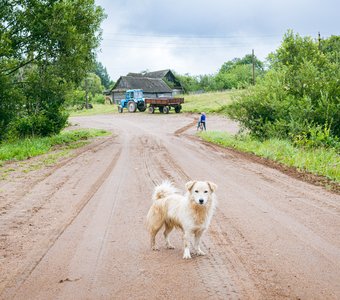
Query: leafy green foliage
[
  {"x": 298, "y": 98},
  {"x": 47, "y": 48}
]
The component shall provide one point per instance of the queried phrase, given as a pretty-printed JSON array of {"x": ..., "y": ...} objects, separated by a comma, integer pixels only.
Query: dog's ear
[
  {"x": 212, "y": 186},
  {"x": 190, "y": 184}
]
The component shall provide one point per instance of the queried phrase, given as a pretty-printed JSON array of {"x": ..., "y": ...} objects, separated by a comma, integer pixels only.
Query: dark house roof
[
  {"x": 135, "y": 74},
  {"x": 157, "y": 74},
  {"x": 148, "y": 85},
  {"x": 166, "y": 75}
]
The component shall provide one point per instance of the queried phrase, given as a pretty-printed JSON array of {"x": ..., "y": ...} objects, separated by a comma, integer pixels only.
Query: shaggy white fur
[{"x": 191, "y": 213}]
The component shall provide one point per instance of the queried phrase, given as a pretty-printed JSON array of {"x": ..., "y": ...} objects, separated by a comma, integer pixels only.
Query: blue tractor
[{"x": 133, "y": 100}]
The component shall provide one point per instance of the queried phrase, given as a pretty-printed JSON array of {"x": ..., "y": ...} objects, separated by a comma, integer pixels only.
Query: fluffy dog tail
[{"x": 163, "y": 190}]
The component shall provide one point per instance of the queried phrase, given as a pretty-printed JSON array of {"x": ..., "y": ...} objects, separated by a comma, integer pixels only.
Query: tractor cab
[
  {"x": 133, "y": 100},
  {"x": 134, "y": 95}
]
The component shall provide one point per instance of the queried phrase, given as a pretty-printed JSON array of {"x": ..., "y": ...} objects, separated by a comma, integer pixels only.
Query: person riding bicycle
[{"x": 201, "y": 121}]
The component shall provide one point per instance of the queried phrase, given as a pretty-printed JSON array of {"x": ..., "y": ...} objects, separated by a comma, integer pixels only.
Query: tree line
[{"x": 233, "y": 74}]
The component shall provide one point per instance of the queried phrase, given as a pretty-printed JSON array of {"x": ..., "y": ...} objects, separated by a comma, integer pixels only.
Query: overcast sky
[{"x": 198, "y": 36}]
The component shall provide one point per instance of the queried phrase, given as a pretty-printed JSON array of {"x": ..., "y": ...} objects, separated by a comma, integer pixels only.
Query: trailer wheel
[
  {"x": 166, "y": 109},
  {"x": 178, "y": 108},
  {"x": 161, "y": 109},
  {"x": 151, "y": 109},
  {"x": 132, "y": 106}
]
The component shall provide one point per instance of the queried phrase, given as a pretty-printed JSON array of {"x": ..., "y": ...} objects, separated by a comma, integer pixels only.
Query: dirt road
[{"x": 75, "y": 230}]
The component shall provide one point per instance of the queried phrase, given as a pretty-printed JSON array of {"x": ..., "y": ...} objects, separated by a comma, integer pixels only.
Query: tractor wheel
[
  {"x": 178, "y": 108},
  {"x": 120, "y": 109},
  {"x": 132, "y": 106},
  {"x": 141, "y": 106},
  {"x": 151, "y": 109},
  {"x": 161, "y": 109},
  {"x": 166, "y": 109}
]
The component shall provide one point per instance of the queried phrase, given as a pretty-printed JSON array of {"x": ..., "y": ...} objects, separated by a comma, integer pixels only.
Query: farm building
[
  {"x": 165, "y": 75},
  {"x": 152, "y": 87}
]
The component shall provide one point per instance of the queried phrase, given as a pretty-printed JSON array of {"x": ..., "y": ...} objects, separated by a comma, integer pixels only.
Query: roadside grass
[
  {"x": 214, "y": 102},
  {"x": 318, "y": 161},
  {"x": 96, "y": 110},
  {"x": 30, "y": 147}
]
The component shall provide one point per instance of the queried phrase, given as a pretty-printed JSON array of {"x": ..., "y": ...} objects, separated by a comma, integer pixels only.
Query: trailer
[
  {"x": 134, "y": 100},
  {"x": 164, "y": 104}
]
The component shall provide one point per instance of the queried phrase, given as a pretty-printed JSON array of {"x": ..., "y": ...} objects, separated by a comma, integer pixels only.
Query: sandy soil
[{"x": 75, "y": 230}]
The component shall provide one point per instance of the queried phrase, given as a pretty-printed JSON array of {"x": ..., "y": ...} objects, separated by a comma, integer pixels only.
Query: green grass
[
  {"x": 319, "y": 161},
  {"x": 31, "y": 147},
  {"x": 215, "y": 102},
  {"x": 96, "y": 110}
]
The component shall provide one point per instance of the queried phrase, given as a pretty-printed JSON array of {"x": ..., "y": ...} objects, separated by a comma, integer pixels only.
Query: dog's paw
[
  {"x": 199, "y": 252},
  {"x": 169, "y": 246},
  {"x": 155, "y": 248},
  {"x": 186, "y": 254}
]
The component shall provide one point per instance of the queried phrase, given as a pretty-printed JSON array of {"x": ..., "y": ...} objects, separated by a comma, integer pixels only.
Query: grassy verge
[
  {"x": 96, "y": 110},
  {"x": 31, "y": 147},
  {"x": 208, "y": 102},
  {"x": 318, "y": 161}
]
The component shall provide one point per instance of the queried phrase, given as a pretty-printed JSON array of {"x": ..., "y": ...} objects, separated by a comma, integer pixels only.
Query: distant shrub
[
  {"x": 38, "y": 125},
  {"x": 98, "y": 98}
]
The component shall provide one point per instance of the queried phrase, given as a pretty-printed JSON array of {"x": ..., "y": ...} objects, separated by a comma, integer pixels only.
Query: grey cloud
[{"x": 219, "y": 17}]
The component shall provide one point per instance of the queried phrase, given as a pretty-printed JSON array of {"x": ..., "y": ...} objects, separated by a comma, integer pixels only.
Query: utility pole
[
  {"x": 253, "y": 59},
  {"x": 86, "y": 94}
]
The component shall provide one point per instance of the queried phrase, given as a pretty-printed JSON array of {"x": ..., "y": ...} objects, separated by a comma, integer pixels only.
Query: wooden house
[{"x": 167, "y": 76}]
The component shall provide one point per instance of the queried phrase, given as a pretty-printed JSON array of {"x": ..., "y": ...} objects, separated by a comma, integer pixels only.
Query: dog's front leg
[
  {"x": 186, "y": 238},
  {"x": 198, "y": 250}
]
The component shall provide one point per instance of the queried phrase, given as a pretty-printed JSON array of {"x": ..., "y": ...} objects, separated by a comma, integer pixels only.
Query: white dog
[{"x": 191, "y": 213}]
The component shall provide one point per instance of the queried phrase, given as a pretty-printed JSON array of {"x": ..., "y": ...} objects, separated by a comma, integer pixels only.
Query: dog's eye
[
  {"x": 205, "y": 192},
  {"x": 196, "y": 191}
]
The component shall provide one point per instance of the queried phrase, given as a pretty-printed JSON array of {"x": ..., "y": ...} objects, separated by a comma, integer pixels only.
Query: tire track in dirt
[
  {"x": 19, "y": 218},
  {"x": 23, "y": 190},
  {"x": 42, "y": 247},
  {"x": 221, "y": 268},
  {"x": 233, "y": 251}
]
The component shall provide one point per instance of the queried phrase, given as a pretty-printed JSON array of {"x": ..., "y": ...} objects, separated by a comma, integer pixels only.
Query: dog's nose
[{"x": 201, "y": 201}]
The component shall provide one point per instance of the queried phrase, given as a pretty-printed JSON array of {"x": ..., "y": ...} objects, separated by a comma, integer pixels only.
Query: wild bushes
[{"x": 298, "y": 98}]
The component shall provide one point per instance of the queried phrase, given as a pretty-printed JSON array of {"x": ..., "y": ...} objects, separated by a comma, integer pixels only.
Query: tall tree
[
  {"x": 46, "y": 47},
  {"x": 101, "y": 71}
]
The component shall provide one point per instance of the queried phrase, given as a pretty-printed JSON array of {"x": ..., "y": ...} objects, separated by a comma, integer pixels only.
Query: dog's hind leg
[
  {"x": 198, "y": 250},
  {"x": 168, "y": 229},
  {"x": 153, "y": 233},
  {"x": 154, "y": 223}
]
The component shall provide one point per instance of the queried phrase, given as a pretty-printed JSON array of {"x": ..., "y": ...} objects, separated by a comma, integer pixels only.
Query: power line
[{"x": 195, "y": 36}]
